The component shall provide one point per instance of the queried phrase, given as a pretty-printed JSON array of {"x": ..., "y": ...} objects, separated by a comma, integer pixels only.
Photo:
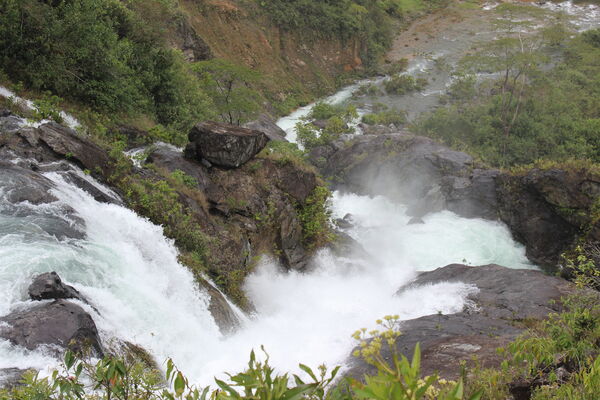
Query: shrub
[
  {"x": 315, "y": 218},
  {"x": 404, "y": 84},
  {"x": 386, "y": 117}
]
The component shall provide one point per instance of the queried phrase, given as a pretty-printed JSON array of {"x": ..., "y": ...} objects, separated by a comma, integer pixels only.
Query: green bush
[
  {"x": 554, "y": 114},
  {"x": 100, "y": 54},
  {"x": 315, "y": 218},
  {"x": 404, "y": 84},
  {"x": 386, "y": 117}
]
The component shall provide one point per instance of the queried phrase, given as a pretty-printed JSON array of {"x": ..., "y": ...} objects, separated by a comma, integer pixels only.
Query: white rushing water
[
  {"x": 130, "y": 273},
  {"x": 68, "y": 119}
]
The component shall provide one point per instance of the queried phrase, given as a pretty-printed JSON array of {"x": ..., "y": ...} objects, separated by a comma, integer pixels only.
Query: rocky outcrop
[
  {"x": 505, "y": 298},
  {"x": 51, "y": 142},
  {"x": 225, "y": 145},
  {"x": 60, "y": 323},
  {"x": 267, "y": 125},
  {"x": 251, "y": 209},
  {"x": 49, "y": 286},
  {"x": 546, "y": 209},
  {"x": 10, "y": 377}
]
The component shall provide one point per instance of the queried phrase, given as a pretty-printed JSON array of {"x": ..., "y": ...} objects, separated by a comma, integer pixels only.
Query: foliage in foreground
[
  {"x": 115, "y": 378},
  {"x": 558, "y": 358}
]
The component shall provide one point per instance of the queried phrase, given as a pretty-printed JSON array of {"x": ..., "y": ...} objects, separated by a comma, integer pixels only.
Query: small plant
[
  {"x": 184, "y": 179},
  {"x": 48, "y": 107}
]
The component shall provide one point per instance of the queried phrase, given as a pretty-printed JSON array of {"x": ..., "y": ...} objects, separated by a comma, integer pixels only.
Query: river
[{"x": 128, "y": 269}]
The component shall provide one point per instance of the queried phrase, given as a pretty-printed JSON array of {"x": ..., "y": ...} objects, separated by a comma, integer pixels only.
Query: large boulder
[
  {"x": 49, "y": 286},
  {"x": 505, "y": 299},
  {"x": 226, "y": 145},
  {"x": 59, "y": 323}
]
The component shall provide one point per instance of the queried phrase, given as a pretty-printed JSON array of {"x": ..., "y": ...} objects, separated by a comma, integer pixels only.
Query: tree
[{"x": 229, "y": 86}]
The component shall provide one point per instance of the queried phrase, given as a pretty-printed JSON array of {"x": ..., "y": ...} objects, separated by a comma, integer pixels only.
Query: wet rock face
[
  {"x": 505, "y": 297},
  {"x": 50, "y": 286},
  {"x": 412, "y": 169},
  {"x": 59, "y": 323},
  {"x": 547, "y": 209},
  {"x": 10, "y": 377},
  {"x": 226, "y": 145}
]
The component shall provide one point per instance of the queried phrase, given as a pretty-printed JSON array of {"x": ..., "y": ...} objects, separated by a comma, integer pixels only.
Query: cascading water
[{"x": 129, "y": 271}]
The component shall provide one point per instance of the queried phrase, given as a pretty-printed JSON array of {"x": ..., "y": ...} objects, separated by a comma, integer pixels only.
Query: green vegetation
[
  {"x": 370, "y": 21},
  {"x": 101, "y": 55},
  {"x": 537, "y": 109},
  {"x": 403, "y": 84},
  {"x": 229, "y": 86},
  {"x": 567, "y": 342},
  {"x": 337, "y": 120},
  {"x": 385, "y": 117},
  {"x": 315, "y": 217}
]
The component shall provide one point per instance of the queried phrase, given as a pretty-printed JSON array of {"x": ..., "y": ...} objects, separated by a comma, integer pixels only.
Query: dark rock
[
  {"x": 267, "y": 125},
  {"x": 548, "y": 209},
  {"x": 49, "y": 286},
  {"x": 59, "y": 323},
  {"x": 67, "y": 143},
  {"x": 319, "y": 123},
  {"x": 224, "y": 316},
  {"x": 415, "y": 221},
  {"x": 345, "y": 223},
  {"x": 172, "y": 160},
  {"x": 404, "y": 167},
  {"x": 226, "y": 145},
  {"x": 506, "y": 296},
  {"x": 294, "y": 254},
  {"x": 54, "y": 142},
  {"x": 343, "y": 245},
  {"x": 297, "y": 182},
  {"x": 194, "y": 48}
]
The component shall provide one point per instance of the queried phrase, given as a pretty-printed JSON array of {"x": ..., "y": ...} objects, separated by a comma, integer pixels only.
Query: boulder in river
[
  {"x": 226, "y": 145},
  {"x": 505, "y": 297},
  {"x": 59, "y": 323},
  {"x": 49, "y": 286}
]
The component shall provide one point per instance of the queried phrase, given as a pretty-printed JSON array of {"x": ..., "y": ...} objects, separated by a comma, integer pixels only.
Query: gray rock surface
[
  {"x": 267, "y": 125},
  {"x": 506, "y": 297},
  {"x": 226, "y": 145},
  {"x": 59, "y": 323},
  {"x": 49, "y": 286}
]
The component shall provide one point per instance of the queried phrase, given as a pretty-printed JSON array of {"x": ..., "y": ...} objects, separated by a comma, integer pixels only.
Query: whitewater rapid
[{"x": 129, "y": 271}]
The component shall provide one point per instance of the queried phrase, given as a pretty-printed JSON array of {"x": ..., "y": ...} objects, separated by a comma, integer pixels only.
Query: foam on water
[
  {"x": 68, "y": 119},
  {"x": 129, "y": 271}
]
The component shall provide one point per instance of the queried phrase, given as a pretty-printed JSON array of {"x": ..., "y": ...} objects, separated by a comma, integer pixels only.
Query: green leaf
[
  {"x": 308, "y": 371},
  {"x": 179, "y": 384}
]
